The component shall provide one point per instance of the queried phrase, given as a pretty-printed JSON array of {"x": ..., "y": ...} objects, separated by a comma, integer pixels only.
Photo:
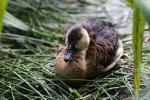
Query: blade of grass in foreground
[
  {"x": 137, "y": 34},
  {"x": 145, "y": 8},
  {"x": 3, "y": 4}
]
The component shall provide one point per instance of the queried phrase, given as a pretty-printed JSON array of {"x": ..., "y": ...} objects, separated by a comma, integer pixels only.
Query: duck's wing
[
  {"x": 117, "y": 57},
  {"x": 104, "y": 41}
]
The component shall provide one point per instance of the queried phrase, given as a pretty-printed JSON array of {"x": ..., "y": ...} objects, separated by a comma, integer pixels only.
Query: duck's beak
[{"x": 69, "y": 53}]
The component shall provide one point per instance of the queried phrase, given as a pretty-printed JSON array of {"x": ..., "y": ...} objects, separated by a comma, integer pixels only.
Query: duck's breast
[{"x": 74, "y": 69}]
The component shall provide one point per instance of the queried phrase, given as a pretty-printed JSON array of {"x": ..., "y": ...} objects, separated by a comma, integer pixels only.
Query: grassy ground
[{"x": 32, "y": 32}]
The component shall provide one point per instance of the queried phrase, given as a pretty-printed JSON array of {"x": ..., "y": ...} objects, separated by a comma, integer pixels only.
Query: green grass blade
[
  {"x": 3, "y": 4},
  {"x": 137, "y": 34},
  {"x": 30, "y": 86},
  {"x": 145, "y": 8}
]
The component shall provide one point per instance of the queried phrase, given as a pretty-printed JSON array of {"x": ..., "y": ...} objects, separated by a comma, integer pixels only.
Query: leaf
[
  {"x": 3, "y": 4},
  {"x": 137, "y": 34}
]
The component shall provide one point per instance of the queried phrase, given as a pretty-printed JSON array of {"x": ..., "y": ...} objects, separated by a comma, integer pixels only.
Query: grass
[{"x": 28, "y": 50}]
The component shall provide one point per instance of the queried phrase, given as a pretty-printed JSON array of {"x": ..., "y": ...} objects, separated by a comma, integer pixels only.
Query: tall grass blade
[
  {"x": 3, "y": 4},
  {"x": 145, "y": 8},
  {"x": 137, "y": 34}
]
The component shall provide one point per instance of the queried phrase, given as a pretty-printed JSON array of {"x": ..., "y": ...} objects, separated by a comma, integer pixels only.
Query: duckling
[{"x": 91, "y": 48}]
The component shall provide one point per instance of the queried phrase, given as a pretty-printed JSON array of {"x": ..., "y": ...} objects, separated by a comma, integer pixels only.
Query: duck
[{"x": 91, "y": 48}]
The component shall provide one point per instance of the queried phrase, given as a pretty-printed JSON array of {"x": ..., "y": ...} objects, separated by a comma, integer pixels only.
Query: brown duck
[{"x": 91, "y": 48}]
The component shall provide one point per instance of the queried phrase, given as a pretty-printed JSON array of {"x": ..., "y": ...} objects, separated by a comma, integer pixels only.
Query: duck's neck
[{"x": 83, "y": 53}]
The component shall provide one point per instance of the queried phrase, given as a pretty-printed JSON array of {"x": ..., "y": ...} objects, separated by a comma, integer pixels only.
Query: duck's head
[{"x": 77, "y": 39}]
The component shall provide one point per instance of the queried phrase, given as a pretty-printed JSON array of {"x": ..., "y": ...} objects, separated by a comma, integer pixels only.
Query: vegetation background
[{"x": 32, "y": 32}]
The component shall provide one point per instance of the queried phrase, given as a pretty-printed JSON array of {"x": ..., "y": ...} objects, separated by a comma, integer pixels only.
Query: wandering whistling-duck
[{"x": 90, "y": 49}]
